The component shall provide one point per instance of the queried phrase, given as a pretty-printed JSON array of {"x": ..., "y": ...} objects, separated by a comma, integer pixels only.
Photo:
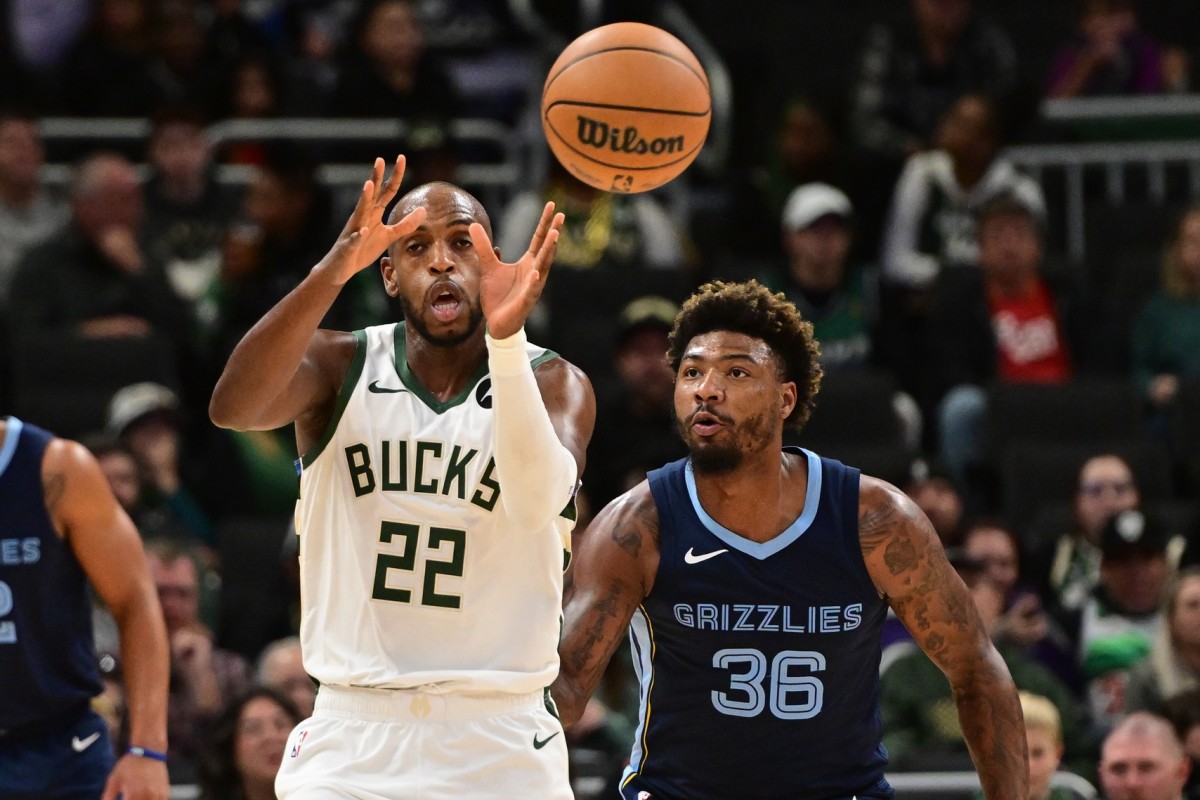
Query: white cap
[
  {"x": 135, "y": 401},
  {"x": 811, "y": 201}
]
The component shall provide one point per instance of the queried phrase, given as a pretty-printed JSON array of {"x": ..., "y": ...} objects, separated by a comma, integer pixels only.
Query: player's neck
[
  {"x": 445, "y": 369},
  {"x": 759, "y": 499}
]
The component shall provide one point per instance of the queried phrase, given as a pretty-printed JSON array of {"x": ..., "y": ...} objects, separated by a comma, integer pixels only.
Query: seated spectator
[
  {"x": 1183, "y": 711},
  {"x": 29, "y": 214},
  {"x": 1107, "y": 55},
  {"x": 921, "y": 725},
  {"x": 146, "y": 417},
  {"x": 246, "y": 746},
  {"x": 635, "y": 431},
  {"x": 1167, "y": 331},
  {"x": 108, "y": 72},
  {"x": 124, "y": 475},
  {"x": 187, "y": 211},
  {"x": 281, "y": 667},
  {"x": 935, "y": 493},
  {"x": 1043, "y": 740},
  {"x": 911, "y": 73},
  {"x": 1023, "y": 622},
  {"x": 1066, "y": 569},
  {"x": 1120, "y": 619},
  {"x": 932, "y": 222},
  {"x": 1003, "y": 322},
  {"x": 203, "y": 676},
  {"x": 1143, "y": 759},
  {"x": 95, "y": 277},
  {"x": 1173, "y": 665}
]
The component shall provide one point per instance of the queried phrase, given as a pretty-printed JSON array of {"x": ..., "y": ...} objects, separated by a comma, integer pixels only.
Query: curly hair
[{"x": 752, "y": 309}]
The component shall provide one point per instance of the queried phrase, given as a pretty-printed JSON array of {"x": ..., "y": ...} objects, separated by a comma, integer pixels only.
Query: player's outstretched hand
[
  {"x": 137, "y": 778},
  {"x": 366, "y": 235},
  {"x": 508, "y": 292}
]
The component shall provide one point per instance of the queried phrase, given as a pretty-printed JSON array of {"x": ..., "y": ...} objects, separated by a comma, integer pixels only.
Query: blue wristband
[{"x": 142, "y": 752}]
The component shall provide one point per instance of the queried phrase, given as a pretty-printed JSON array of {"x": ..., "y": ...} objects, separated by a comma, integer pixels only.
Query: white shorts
[{"x": 378, "y": 744}]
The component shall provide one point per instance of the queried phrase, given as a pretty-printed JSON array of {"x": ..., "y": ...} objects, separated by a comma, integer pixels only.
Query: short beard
[
  {"x": 722, "y": 459},
  {"x": 412, "y": 316}
]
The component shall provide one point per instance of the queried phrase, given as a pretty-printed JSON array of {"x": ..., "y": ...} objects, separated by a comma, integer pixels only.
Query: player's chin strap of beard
[{"x": 536, "y": 473}]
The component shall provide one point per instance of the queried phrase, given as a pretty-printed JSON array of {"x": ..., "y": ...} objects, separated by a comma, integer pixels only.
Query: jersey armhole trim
[
  {"x": 9, "y": 447},
  {"x": 348, "y": 384}
]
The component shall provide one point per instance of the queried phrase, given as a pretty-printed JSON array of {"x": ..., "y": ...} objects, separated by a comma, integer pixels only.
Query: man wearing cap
[
  {"x": 1117, "y": 624},
  {"x": 838, "y": 299},
  {"x": 634, "y": 429}
]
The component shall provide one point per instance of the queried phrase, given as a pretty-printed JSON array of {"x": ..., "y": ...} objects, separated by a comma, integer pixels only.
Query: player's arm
[
  {"x": 284, "y": 367},
  {"x": 909, "y": 566},
  {"x": 612, "y": 570},
  {"x": 540, "y": 425},
  {"x": 107, "y": 545}
]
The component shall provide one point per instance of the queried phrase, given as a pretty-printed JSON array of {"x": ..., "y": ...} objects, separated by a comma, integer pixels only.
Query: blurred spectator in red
[{"x": 1107, "y": 55}]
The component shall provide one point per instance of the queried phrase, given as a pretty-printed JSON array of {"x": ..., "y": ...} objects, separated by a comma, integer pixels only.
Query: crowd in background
[{"x": 926, "y": 259}]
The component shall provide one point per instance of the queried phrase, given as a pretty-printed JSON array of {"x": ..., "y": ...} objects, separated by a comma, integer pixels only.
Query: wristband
[{"x": 144, "y": 752}]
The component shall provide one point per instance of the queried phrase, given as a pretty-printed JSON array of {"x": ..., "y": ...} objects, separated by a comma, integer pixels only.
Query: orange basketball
[{"x": 626, "y": 107}]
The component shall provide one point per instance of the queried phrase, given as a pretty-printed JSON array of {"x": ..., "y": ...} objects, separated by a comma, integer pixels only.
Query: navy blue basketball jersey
[
  {"x": 758, "y": 663},
  {"x": 47, "y": 657}
]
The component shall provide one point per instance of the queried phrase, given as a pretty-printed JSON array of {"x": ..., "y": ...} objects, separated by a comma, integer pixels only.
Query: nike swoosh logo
[
  {"x": 692, "y": 558},
  {"x": 539, "y": 744},
  {"x": 375, "y": 388},
  {"x": 79, "y": 745}
]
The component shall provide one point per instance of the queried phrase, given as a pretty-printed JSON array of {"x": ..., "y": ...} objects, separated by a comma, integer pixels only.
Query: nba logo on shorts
[{"x": 299, "y": 741}]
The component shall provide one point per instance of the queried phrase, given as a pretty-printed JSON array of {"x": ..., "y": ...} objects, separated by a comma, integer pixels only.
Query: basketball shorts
[
  {"x": 68, "y": 761},
  {"x": 401, "y": 745}
]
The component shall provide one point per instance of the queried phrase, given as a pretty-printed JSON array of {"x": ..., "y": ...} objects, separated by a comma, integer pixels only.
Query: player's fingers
[
  {"x": 111, "y": 791},
  {"x": 483, "y": 245},
  {"x": 543, "y": 228},
  {"x": 406, "y": 224},
  {"x": 545, "y": 257},
  {"x": 377, "y": 170},
  {"x": 359, "y": 214},
  {"x": 393, "y": 182}
]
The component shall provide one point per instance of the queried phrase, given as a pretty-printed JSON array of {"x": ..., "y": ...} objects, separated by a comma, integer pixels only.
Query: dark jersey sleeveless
[
  {"x": 759, "y": 662},
  {"x": 47, "y": 659}
]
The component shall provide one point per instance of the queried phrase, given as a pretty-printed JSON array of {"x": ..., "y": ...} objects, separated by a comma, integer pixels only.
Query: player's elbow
[{"x": 224, "y": 413}]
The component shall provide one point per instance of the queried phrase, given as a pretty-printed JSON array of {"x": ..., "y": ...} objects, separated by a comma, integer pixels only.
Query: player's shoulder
[
  {"x": 881, "y": 508},
  {"x": 635, "y": 511}
]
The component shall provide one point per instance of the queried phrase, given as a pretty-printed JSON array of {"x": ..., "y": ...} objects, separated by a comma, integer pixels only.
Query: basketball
[{"x": 626, "y": 107}]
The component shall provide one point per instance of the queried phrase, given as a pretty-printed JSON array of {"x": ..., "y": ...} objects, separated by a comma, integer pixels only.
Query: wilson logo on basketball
[{"x": 599, "y": 134}]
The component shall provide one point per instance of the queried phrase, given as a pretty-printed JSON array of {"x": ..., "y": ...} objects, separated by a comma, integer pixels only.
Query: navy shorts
[{"x": 68, "y": 762}]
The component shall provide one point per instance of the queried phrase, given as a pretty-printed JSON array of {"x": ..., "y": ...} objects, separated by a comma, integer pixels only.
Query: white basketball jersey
[{"x": 411, "y": 574}]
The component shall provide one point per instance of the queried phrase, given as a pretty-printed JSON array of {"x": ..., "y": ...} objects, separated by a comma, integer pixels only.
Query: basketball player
[
  {"x": 61, "y": 528},
  {"x": 757, "y": 578},
  {"x": 440, "y": 459}
]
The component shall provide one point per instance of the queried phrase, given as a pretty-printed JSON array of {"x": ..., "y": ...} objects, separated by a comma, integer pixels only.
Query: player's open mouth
[
  {"x": 445, "y": 302},
  {"x": 706, "y": 424}
]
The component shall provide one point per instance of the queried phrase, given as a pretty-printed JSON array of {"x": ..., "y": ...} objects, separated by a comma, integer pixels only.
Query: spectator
[
  {"x": 182, "y": 73},
  {"x": 1043, "y": 737},
  {"x": 1023, "y": 622},
  {"x": 1067, "y": 568},
  {"x": 386, "y": 72},
  {"x": 911, "y": 73},
  {"x": 1120, "y": 619},
  {"x": 1004, "y": 322},
  {"x": 1142, "y": 759},
  {"x": 941, "y": 192},
  {"x": 1183, "y": 711},
  {"x": 146, "y": 417},
  {"x": 920, "y": 721},
  {"x": 1108, "y": 54},
  {"x": 203, "y": 676},
  {"x": 1173, "y": 665},
  {"x": 108, "y": 72},
  {"x": 246, "y": 746},
  {"x": 1167, "y": 330},
  {"x": 187, "y": 211},
  {"x": 281, "y": 667},
  {"x": 94, "y": 277},
  {"x": 635, "y": 429},
  {"x": 935, "y": 493},
  {"x": 29, "y": 215},
  {"x": 121, "y": 469}
]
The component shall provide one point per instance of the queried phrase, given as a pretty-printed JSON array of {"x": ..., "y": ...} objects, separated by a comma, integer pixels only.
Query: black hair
[
  {"x": 752, "y": 309},
  {"x": 219, "y": 778}
]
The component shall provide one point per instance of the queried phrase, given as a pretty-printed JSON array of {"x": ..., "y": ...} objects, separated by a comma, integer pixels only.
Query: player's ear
[
  {"x": 787, "y": 398},
  {"x": 388, "y": 270}
]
